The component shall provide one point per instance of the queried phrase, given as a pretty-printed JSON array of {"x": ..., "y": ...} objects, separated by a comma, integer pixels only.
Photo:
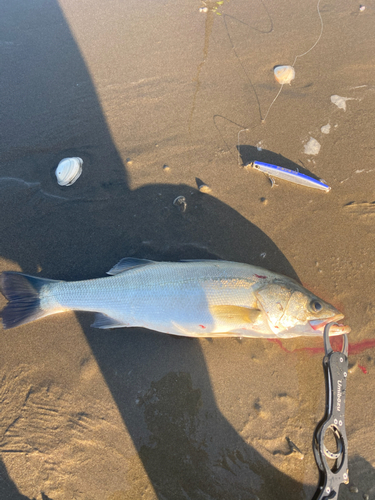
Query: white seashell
[
  {"x": 284, "y": 74},
  {"x": 340, "y": 101},
  {"x": 180, "y": 202},
  {"x": 68, "y": 171},
  {"x": 312, "y": 147},
  {"x": 325, "y": 129}
]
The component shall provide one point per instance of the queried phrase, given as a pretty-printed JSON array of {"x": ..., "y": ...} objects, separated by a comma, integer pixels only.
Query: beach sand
[{"x": 131, "y": 87}]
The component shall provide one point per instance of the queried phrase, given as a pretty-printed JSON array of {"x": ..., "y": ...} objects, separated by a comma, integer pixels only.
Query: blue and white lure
[{"x": 289, "y": 175}]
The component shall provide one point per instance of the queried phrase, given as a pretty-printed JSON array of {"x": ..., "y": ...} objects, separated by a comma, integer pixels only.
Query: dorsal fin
[
  {"x": 202, "y": 260},
  {"x": 129, "y": 263}
]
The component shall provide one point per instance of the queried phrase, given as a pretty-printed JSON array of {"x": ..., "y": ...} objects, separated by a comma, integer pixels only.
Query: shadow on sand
[
  {"x": 8, "y": 490},
  {"x": 251, "y": 153},
  {"x": 51, "y": 110}
]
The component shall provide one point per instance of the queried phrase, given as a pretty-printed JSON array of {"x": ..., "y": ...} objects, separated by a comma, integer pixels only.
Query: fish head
[{"x": 292, "y": 310}]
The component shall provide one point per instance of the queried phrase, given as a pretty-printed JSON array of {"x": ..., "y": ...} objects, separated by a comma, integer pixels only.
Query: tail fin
[{"x": 22, "y": 291}]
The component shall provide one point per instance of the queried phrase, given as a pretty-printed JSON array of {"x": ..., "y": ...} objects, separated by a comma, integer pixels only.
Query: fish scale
[
  {"x": 183, "y": 296},
  {"x": 192, "y": 298}
]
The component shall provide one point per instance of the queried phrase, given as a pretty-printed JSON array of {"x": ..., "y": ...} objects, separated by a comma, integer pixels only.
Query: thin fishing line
[
  {"x": 244, "y": 70},
  {"x": 319, "y": 37},
  {"x": 243, "y": 67},
  {"x": 247, "y": 129},
  {"x": 222, "y": 137},
  {"x": 272, "y": 103},
  {"x": 300, "y": 55},
  {"x": 238, "y": 145},
  {"x": 235, "y": 52}
]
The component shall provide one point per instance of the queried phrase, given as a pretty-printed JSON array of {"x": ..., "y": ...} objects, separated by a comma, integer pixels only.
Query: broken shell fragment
[
  {"x": 325, "y": 129},
  {"x": 68, "y": 171},
  {"x": 312, "y": 147},
  {"x": 203, "y": 187},
  {"x": 284, "y": 74},
  {"x": 180, "y": 203}
]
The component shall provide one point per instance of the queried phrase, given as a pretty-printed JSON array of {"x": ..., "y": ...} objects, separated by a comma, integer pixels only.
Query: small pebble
[
  {"x": 264, "y": 201},
  {"x": 353, "y": 367},
  {"x": 284, "y": 74},
  {"x": 362, "y": 8},
  {"x": 294, "y": 449},
  {"x": 353, "y": 489},
  {"x": 166, "y": 168},
  {"x": 366, "y": 496},
  {"x": 129, "y": 161},
  {"x": 203, "y": 188}
]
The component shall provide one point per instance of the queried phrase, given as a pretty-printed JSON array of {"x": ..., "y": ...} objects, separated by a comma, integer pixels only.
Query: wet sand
[{"x": 130, "y": 87}]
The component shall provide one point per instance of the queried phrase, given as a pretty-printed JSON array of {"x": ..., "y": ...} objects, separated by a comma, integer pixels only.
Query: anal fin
[{"x": 105, "y": 322}]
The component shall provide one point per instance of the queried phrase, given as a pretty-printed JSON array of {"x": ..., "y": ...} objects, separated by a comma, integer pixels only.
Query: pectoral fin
[{"x": 234, "y": 315}]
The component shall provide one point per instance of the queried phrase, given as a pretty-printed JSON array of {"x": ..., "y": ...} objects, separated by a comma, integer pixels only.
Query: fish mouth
[{"x": 339, "y": 329}]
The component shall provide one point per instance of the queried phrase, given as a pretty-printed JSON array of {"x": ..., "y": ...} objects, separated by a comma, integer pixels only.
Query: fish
[
  {"x": 195, "y": 298},
  {"x": 289, "y": 175}
]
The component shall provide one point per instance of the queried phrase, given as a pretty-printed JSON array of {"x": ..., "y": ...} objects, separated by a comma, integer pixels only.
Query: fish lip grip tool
[{"x": 335, "y": 364}]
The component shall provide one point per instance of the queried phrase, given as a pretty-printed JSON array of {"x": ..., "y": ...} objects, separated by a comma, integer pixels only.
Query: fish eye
[{"x": 316, "y": 306}]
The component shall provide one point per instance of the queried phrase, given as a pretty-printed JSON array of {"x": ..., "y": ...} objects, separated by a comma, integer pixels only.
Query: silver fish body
[{"x": 193, "y": 298}]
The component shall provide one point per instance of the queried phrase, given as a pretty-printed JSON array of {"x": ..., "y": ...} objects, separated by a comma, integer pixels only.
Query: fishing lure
[{"x": 289, "y": 175}]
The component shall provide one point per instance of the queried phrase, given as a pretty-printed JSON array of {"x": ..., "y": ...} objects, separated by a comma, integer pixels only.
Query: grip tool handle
[{"x": 331, "y": 476}]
